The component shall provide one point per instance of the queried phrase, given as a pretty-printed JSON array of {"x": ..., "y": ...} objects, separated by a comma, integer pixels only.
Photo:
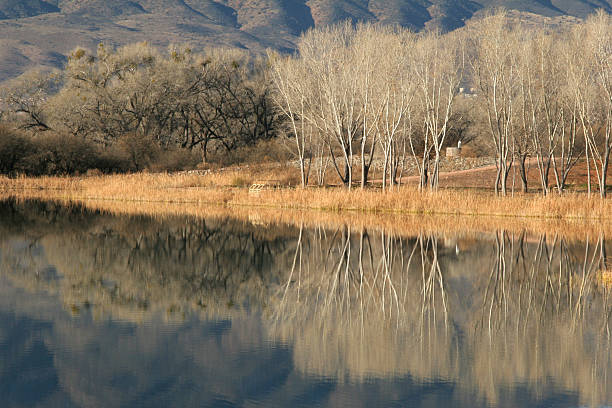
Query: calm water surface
[{"x": 105, "y": 311}]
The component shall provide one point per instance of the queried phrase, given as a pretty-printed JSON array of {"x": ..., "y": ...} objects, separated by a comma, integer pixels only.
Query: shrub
[
  {"x": 55, "y": 154},
  {"x": 141, "y": 151},
  {"x": 93, "y": 173},
  {"x": 50, "y": 153},
  {"x": 265, "y": 151},
  {"x": 14, "y": 146},
  {"x": 289, "y": 178},
  {"x": 45, "y": 154},
  {"x": 61, "y": 154},
  {"x": 114, "y": 160},
  {"x": 174, "y": 160}
]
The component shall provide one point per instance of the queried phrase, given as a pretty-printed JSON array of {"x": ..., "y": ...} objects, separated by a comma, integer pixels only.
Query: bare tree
[
  {"x": 599, "y": 46},
  {"x": 397, "y": 94},
  {"x": 220, "y": 99},
  {"x": 542, "y": 86},
  {"x": 371, "y": 50},
  {"x": 496, "y": 77},
  {"x": 340, "y": 90},
  {"x": 438, "y": 74},
  {"x": 291, "y": 97},
  {"x": 334, "y": 108},
  {"x": 24, "y": 98},
  {"x": 589, "y": 61},
  {"x": 567, "y": 153}
]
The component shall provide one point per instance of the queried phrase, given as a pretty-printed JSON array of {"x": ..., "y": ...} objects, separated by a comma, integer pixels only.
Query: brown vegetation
[
  {"x": 534, "y": 93},
  {"x": 352, "y": 95},
  {"x": 572, "y": 214}
]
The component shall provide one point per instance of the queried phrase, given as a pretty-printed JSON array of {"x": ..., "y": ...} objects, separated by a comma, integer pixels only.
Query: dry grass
[
  {"x": 215, "y": 188},
  {"x": 404, "y": 211},
  {"x": 605, "y": 278}
]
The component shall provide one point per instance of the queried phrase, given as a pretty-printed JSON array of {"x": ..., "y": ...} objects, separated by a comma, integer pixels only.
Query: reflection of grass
[
  {"x": 399, "y": 224},
  {"x": 605, "y": 278}
]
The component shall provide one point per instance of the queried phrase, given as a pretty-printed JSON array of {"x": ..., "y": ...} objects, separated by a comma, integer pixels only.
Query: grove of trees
[{"x": 349, "y": 94}]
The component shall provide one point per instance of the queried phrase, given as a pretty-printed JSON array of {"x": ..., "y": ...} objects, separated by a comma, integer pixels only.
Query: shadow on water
[{"x": 101, "y": 310}]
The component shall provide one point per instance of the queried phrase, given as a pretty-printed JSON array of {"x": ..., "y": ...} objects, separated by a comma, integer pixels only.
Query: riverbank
[{"x": 195, "y": 189}]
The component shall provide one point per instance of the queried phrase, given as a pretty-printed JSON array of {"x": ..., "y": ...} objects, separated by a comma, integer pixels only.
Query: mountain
[
  {"x": 25, "y": 8},
  {"x": 43, "y": 32}
]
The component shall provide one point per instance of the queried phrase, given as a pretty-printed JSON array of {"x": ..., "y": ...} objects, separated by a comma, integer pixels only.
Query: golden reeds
[{"x": 404, "y": 209}]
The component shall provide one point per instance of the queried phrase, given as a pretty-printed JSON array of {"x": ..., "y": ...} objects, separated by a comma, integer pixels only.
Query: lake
[{"x": 102, "y": 310}]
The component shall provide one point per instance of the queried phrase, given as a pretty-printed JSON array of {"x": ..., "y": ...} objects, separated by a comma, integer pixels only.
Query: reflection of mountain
[
  {"x": 494, "y": 318},
  {"x": 101, "y": 364}
]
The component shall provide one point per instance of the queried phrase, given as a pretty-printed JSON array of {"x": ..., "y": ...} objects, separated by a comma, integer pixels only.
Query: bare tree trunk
[
  {"x": 498, "y": 176},
  {"x": 523, "y": 172},
  {"x": 604, "y": 171}
]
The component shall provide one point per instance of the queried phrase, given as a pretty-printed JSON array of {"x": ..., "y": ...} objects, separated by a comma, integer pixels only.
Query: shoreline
[
  {"x": 403, "y": 211},
  {"x": 196, "y": 189}
]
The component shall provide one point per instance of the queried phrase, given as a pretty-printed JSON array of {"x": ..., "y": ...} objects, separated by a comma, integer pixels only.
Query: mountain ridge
[{"x": 42, "y": 32}]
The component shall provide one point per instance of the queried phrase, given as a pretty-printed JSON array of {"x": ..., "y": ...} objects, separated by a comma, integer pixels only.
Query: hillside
[
  {"x": 43, "y": 32},
  {"x": 10, "y": 9}
]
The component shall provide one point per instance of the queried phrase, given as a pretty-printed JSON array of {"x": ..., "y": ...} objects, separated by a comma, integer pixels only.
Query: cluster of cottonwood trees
[
  {"x": 352, "y": 93},
  {"x": 355, "y": 89},
  {"x": 540, "y": 94},
  {"x": 543, "y": 92},
  {"x": 174, "y": 99}
]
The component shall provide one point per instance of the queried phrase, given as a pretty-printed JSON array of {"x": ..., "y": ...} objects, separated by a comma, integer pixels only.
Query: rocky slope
[{"x": 43, "y": 32}]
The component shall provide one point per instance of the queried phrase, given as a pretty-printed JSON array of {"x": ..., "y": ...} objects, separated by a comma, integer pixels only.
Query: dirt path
[
  {"x": 484, "y": 177},
  {"x": 477, "y": 173},
  {"x": 456, "y": 173}
]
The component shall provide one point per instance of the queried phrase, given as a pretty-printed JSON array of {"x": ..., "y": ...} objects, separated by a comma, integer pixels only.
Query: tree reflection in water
[{"x": 486, "y": 312}]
